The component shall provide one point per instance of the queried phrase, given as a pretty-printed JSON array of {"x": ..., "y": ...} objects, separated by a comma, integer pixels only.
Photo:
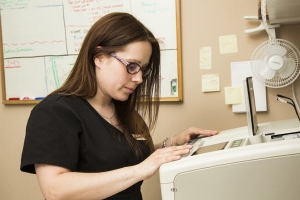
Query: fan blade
[
  {"x": 264, "y": 70},
  {"x": 275, "y": 50},
  {"x": 288, "y": 68}
]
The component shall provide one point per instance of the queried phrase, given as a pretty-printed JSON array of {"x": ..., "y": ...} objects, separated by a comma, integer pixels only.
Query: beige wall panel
[{"x": 203, "y": 21}]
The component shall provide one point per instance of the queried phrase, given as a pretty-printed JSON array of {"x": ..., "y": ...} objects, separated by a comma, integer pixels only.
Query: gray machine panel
[{"x": 267, "y": 178}]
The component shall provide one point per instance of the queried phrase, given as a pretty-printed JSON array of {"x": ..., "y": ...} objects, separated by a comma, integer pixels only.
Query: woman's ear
[{"x": 98, "y": 61}]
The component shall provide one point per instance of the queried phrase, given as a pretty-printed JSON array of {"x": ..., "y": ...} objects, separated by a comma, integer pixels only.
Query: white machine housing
[{"x": 236, "y": 165}]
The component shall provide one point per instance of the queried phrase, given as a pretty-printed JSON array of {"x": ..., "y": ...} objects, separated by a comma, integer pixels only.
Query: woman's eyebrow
[
  {"x": 145, "y": 65},
  {"x": 136, "y": 61}
]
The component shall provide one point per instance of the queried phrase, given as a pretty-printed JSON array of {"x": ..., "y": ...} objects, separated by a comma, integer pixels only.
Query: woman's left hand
[{"x": 191, "y": 133}]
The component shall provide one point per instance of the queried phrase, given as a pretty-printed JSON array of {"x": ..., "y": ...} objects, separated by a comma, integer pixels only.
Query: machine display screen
[{"x": 210, "y": 148}]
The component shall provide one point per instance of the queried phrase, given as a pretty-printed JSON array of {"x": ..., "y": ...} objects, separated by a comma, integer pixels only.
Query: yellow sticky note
[
  {"x": 205, "y": 58},
  {"x": 228, "y": 44},
  {"x": 234, "y": 95},
  {"x": 210, "y": 83}
]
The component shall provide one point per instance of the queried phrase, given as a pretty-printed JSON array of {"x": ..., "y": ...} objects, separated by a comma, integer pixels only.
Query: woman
[{"x": 88, "y": 139}]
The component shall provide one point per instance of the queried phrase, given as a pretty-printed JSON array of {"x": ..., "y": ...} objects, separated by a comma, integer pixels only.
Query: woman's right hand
[{"x": 149, "y": 166}]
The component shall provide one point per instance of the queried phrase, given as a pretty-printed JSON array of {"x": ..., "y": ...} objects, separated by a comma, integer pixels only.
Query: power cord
[
  {"x": 290, "y": 101},
  {"x": 294, "y": 97}
]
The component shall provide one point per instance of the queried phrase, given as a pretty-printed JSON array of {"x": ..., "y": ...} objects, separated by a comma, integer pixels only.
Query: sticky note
[
  {"x": 228, "y": 44},
  {"x": 205, "y": 58},
  {"x": 234, "y": 95},
  {"x": 210, "y": 83}
]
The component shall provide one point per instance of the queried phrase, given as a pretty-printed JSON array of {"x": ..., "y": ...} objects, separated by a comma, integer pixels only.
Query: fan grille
[{"x": 276, "y": 81}]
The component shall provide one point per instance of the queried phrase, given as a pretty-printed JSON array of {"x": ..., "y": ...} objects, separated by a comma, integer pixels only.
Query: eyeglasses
[{"x": 132, "y": 67}]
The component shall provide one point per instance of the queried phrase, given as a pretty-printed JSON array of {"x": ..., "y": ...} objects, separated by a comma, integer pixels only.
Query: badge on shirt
[{"x": 138, "y": 137}]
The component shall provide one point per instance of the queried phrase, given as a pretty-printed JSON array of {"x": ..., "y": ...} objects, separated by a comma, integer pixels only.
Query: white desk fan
[{"x": 275, "y": 62}]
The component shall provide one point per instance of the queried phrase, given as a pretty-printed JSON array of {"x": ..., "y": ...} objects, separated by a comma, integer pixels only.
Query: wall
[{"x": 203, "y": 21}]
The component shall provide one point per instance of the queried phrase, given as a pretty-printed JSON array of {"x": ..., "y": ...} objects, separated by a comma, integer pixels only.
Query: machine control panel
[{"x": 237, "y": 143}]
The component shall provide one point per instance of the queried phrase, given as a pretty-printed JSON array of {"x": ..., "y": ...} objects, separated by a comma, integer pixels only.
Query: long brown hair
[{"x": 138, "y": 114}]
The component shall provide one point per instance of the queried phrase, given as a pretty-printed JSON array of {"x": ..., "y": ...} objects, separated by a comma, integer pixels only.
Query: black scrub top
[{"x": 67, "y": 131}]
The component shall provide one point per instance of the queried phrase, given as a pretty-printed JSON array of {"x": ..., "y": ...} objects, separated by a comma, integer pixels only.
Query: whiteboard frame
[
  {"x": 177, "y": 98},
  {"x": 179, "y": 57}
]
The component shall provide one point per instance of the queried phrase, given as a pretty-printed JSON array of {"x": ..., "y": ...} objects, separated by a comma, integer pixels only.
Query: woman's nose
[{"x": 138, "y": 77}]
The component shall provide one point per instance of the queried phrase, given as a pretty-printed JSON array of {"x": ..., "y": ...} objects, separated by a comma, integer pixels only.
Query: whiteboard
[{"x": 42, "y": 38}]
